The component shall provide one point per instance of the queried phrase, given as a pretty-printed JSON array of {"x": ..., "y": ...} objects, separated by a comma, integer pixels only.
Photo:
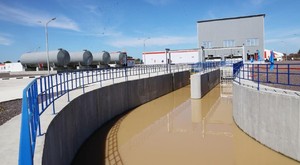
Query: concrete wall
[
  {"x": 271, "y": 118},
  {"x": 85, "y": 114},
  {"x": 202, "y": 83}
]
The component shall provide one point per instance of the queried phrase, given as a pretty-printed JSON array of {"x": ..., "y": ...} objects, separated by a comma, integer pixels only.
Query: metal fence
[
  {"x": 281, "y": 74},
  {"x": 207, "y": 66},
  {"x": 43, "y": 91}
]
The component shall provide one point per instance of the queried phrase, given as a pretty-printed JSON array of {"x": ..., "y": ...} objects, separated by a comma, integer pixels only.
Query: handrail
[
  {"x": 207, "y": 66},
  {"x": 282, "y": 74},
  {"x": 43, "y": 91}
]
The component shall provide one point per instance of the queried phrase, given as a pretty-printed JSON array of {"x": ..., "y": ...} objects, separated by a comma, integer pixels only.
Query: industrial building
[
  {"x": 219, "y": 39},
  {"x": 231, "y": 33}
]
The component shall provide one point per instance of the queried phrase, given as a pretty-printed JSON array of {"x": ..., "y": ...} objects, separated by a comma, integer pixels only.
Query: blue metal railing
[
  {"x": 43, "y": 91},
  {"x": 281, "y": 74},
  {"x": 206, "y": 66}
]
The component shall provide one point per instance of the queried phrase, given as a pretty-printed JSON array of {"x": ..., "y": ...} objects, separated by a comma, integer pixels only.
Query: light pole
[
  {"x": 47, "y": 50},
  {"x": 144, "y": 44}
]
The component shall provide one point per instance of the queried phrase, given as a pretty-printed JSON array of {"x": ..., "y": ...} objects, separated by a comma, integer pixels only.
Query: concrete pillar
[{"x": 196, "y": 86}]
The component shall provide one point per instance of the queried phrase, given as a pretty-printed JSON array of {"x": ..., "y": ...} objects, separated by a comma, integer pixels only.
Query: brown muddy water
[{"x": 177, "y": 130}]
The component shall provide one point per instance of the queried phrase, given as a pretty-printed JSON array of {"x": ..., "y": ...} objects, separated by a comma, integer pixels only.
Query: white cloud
[
  {"x": 30, "y": 17},
  {"x": 5, "y": 40},
  {"x": 153, "y": 41}
]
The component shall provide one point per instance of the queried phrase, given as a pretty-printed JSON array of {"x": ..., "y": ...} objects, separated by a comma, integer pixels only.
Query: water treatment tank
[
  {"x": 118, "y": 58},
  {"x": 83, "y": 58},
  {"x": 101, "y": 58},
  {"x": 58, "y": 57}
]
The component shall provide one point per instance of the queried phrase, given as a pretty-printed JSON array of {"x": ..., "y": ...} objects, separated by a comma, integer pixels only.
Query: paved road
[{"x": 13, "y": 88}]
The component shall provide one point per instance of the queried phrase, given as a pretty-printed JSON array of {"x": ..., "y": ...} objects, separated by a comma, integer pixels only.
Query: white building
[
  {"x": 11, "y": 67},
  {"x": 278, "y": 55},
  {"x": 173, "y": 56}
]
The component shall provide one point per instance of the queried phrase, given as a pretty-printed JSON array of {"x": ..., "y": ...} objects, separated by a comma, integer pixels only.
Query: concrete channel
[{"x": 175, "y": 129}]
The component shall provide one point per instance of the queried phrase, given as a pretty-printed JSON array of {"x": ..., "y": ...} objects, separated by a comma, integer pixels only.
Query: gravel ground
[{"x": 9, "y": 109}]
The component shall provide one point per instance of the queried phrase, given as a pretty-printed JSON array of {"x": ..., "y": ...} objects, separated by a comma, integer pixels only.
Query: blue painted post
[
  {"x": 126, "y": 76},
  {"x": 72, "y": 80},
  {"x": 252, "y": 72},
  {"x": 87, "y": 76},
  {"x": 68, "y": 88},
  {"x": 36, "y": 104},
  {"x": 64, "y": 76},
  {"x": 76, "y": 86},
  {"x": 25, "y": 150},
  {"x": 46, "y": 94},
  {"x": 41, "y": 90},
  {"x": 48, "y": 91},
  {"x": 258, "y": 76},
  {"x": 113, "y": 80},
  {"x": 82, "y": 82},
  {"x": 53, "y": 104},
  {"x": 100, "y": 78},
  {"x": 277, "y": 73},
  {"x": 60, "y": 83},
  {"x": 92, "y": 76},
  {"x": 267, "y": 73},
  {"x": 288, "y": 74},
  {"x": 56, "y": 85}
]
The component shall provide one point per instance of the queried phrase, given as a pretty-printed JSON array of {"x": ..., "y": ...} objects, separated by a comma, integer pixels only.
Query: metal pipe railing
[
  {"x": 281, "y": 74},
  {"x": 44, "y": 91}
]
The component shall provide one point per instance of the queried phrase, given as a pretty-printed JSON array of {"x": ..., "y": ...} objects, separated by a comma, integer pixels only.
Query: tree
[
  {"x": 138, "y": 61},
  {"x": 299, "y": 51},
  {"x": 7, "y": 62}
]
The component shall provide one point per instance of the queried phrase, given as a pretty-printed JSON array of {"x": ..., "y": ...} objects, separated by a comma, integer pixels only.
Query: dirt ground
[{"x": 9, "y": 109}]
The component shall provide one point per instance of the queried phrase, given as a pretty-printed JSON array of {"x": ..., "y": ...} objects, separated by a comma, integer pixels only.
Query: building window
[
  {"x": 252, "y": 42},
  {"x": 207, "y": 44},
  {"x": 228, "y": 43}
]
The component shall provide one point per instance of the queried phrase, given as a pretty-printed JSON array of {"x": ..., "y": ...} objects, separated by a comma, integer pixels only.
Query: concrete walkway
[{"x": 10, "y": 131}]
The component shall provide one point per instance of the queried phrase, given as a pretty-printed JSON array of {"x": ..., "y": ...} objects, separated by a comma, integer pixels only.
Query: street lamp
[
  {"x": 47, "y": 50},
  {"x": 144, "y": 46}
]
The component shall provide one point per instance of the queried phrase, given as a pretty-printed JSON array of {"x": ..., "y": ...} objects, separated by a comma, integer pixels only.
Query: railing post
[
  {"x": 41, "y": 90},
  {"x": 267, "y": 68},
  {"x": 258, "y": 65},
  {"x": 53, "y": 105},
  {"x": 68, "y": 87},
  {"x": 126, "y": 76},
  {"x": 25, "y": 150},
  {"x": 82, "y": 82},
  {"x": 288, "y": 74},
  {"x": 277, "y": 73},
  {"x": 36, "y": 104}
]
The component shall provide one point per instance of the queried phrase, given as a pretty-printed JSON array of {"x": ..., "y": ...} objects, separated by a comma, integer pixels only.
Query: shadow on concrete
[{"x": 104, "y": 139}]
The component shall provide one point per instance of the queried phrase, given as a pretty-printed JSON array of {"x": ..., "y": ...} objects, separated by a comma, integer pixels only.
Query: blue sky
[{"x": 124, "y": 25}]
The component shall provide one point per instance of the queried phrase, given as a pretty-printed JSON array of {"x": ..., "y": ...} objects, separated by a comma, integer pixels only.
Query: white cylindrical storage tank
[
  {"x": 58, "y": 57},
  {"x": 84, "y": 58},
  {"x": 118, "y": 58},
  {"x": 101, "y": 58}
]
